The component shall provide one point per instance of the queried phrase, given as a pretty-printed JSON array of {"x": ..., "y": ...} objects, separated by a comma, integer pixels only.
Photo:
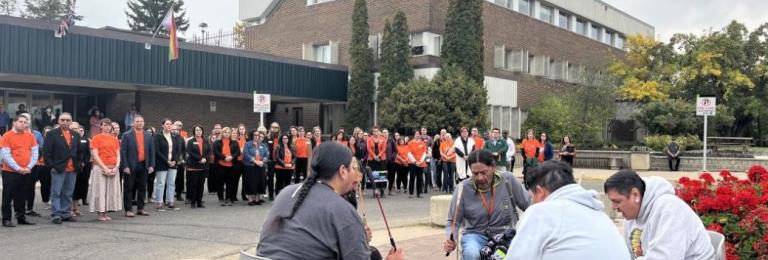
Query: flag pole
[{"x": 148, "y": 45}]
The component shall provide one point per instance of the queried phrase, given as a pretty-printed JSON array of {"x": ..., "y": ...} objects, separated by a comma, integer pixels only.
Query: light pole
[{"x": 203, "y": 26}]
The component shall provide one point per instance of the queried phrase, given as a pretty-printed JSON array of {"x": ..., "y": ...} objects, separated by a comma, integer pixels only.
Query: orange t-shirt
[
  {"x": 199, "y": 141},
  {"x": 68, "y": 137},
  {"x": 446, "y": 147},
  {"x": 21, "y": 148},
  {"x": 402, "y": 154},
  {"x": 287, "y": 158},
  {"x": 418, "y": 149},
  {"x": 530, "y": 147},
  {"x": 479, "y": 143},
  {"x": 184, "y": 134},
  {"x": 108, "y": 146},
  {"x": 241, "y": 142},
  {"x": 226, "y": 151},
  {"x": 140, "y": 144},
  {"x": 301, "y": 145}
]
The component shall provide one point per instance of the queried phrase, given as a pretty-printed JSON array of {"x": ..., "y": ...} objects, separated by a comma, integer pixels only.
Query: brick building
[{"x": 532, "y": 47}]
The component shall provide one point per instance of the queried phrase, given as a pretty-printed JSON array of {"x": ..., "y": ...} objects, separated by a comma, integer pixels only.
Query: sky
[{"x": 667, "y": 16}]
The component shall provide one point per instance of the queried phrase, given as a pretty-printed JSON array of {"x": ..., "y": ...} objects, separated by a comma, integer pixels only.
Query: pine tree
[
  {"x": 7, "y": 7},
  {"x": 395, "y": 65},
  {"x": 48, "y": 10},
  {"x": 463, "y": 45},
  {"x": 147, "y": 15},
  {"x": 360, "y": 90}
]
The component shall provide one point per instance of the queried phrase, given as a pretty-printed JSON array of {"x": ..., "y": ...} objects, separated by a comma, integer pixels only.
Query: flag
[
  {"x": 66, "y": 21},
  {"x": 169, "y": 24}
]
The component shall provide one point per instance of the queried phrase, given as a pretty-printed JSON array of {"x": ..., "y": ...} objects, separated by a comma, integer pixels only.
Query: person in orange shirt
[
  {"x": 226, "y": 152},
  {"x": 19, "y": 154},
  {"x": 181, "y": 167},
  {"x": 377, "y": 151},
  {"x": 242, "y": 137},
  {"x": 105, "y": 186},
  {"x": 401, "y": 165},
  {"x": 302, "y": 146},
  {"x": 530, "y": 151},
  {"x": 479, "y": 140},
  {"x": 61, "y": 154},
  {"x": 417, "y": 158},
  {"x": 137, "y": 154},
  {"x": 448, "y": 159},
  {"x": 285, "y": 164}
]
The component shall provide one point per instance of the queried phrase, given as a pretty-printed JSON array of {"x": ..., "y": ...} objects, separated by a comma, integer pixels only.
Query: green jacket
[{"x": 500, "y": 147}]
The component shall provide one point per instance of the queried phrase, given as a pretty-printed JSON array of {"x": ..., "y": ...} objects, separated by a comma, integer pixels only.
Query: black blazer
[
  {"x": 194, "y": 155},
  {"x": 234, "y": 148},
  {"x": 57, "y": 152},
  {"x": 280, "y": 155},
  {"x": 161, "y": 151},
  {"x": 129, "y": 156},
  {"x": 84, "y": 152}
]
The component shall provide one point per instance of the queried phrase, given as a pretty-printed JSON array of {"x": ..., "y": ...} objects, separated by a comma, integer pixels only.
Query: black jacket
[
  {"x": 57, "y": 152},
  {"x": 84, "y": 153},
  {"x": 361, "y": 150},
  {"x": 436, "y": 150},
  {"x": 218, "y": 154},
  {"x": 280, "y": 155},
  {"x": 129, "y": 156},
  {"x": 194, "y": 154},
  {"x": 391, "y": 149},
  {"x": 161, "y": 151}
]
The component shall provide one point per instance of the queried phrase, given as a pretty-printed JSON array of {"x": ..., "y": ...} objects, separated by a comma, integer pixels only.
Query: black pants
[
  {"x": 180, "y": 177},
  {"x": 213, "y": 173},
  {"x": 13, "y": 191},
  {"x": 391, "y": 174},
  {"x": 195, "y": 181},
  {"x": 227, "y": 186},
  {"x": 81, "y": 183},
  {"x": 253, "y": 180},
  {"x": 676, "y": 163},
  {"x": 417, "y": 176},
  {"x": 29, "y": 188},
  {"x": 271, "y": 180},
  {"x": 301, "y": 170},
  {"x": 439, "y": 174},
  {"x": 427, "y": 179},
  {"x": 151, "y": 184},
  {"x": 511, "y": 164},
  {"x": 135, "y": 186},
  {"x": 237, "y": 171},
  {"x": 44, "y": 174},
  {"x": 283, "y": 177},
  {"x": 402, "y": 176}
]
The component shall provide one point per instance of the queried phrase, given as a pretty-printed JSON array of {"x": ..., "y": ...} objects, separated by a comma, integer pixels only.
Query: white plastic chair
[
  {"x": 248, "y": 256},
  {"x": 718, "y": 242}
]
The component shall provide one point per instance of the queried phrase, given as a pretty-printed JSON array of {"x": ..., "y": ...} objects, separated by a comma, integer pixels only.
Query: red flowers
[{"x": 734, "y": 207}]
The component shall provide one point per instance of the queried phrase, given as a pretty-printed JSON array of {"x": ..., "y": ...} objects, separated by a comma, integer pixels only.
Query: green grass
[{"x": 754, "y": 150}]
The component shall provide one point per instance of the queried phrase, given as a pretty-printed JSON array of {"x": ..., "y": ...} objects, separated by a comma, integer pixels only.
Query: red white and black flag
[{"x": 66, "y": 21}]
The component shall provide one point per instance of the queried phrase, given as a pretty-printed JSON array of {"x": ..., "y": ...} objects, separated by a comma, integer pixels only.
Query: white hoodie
[
  {"x": 569, "y": 224},
  {"x": 669, "y": 229}
]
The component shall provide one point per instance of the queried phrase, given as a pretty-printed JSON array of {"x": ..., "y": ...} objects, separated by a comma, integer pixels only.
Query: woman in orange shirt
[
  {"x": 302, "y": 146},
  {"x": 239, "y": 169},
  {"x": 448, "y": 159},
  {"x": 530, "y": 151},
  {"x": 341, "y": 139},
  {"x": 226, "y": 152},
  {"x": 401, "y": 165},
  {"x": 285, "y": 164},
  {"x": 417, "y": 156},
  {"x": 105, "y": 188}
]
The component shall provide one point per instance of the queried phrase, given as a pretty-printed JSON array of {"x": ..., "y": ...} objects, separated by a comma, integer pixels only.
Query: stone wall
[{"x": 660, "y": 163}]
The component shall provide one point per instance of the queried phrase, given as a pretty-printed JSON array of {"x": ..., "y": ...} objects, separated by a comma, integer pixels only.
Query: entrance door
[
  {"x": 17, "y": 103},
  {"x": 42, "y": 111}
]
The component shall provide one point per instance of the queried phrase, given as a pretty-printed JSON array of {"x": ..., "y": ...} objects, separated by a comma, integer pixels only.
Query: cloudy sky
[{"x": 667, "y": 16}]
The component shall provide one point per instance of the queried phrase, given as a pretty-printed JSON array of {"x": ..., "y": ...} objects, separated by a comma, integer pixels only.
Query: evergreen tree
[
  {"x": 147, "y": 15},
  {"x": 466, "y": 99},
  {"x": 7, "y": 7},
  {"x": 463, "y": 45},
  {"x": 361, "y": 89},
  {"x": 48, "y": 10},
  {"x": 395, "y": 66}
]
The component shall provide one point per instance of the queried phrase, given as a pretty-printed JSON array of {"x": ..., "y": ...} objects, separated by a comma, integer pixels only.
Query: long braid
[{"x": 304, "y": 191}]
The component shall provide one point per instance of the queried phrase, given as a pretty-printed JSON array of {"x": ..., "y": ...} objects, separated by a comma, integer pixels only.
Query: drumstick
[{"x": 455, "y": 213}]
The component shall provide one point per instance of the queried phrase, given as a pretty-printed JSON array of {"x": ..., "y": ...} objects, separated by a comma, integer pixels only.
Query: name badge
[
  {"x": 269, "y": 142},
  {"x": 83, "y": 141},
  {"x": 195, "y": 143}
]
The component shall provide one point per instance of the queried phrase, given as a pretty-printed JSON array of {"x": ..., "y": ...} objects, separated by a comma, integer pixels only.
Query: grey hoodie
[
  {"x": 669, "y": 229},
  {"x": 568, "y": 224}
]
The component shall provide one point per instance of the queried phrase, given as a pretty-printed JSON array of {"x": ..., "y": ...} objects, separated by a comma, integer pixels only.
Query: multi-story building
[{"x": 532, "y": 48}]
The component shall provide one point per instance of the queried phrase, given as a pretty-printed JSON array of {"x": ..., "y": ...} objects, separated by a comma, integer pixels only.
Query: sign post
[
  {"x": 261, "y": 104},
  {"x": 705, "y": 106}
]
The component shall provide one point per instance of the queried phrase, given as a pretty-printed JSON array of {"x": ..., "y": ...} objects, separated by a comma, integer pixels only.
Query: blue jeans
[
  {"x": 448, "y": 169},
  {"x": 161, "y": 179},
  {"x": 471, "y": 245},
  {"x": 62, "y": 187}
]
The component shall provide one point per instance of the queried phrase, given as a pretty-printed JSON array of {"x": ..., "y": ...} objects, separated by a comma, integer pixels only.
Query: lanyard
[{"x": 487, "y": 207}]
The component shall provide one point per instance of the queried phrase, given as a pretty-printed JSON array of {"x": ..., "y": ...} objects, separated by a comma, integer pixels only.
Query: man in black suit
[
  {"x": 137, "y": 153},
  {"x": 61, "y": 155}
]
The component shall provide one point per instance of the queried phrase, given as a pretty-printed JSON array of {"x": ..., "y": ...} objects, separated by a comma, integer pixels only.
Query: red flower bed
[{"x": 736, "y": 208}]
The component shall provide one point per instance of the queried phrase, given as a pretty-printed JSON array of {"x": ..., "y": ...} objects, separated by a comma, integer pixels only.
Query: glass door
[
  {"x": 17, "y": 104},
  {"x": 42, "y": 111}
]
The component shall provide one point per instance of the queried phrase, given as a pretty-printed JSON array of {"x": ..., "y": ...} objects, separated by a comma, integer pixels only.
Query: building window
[
  {"x": 322, "y": 53},
  {"x": 313, "y": 2},
  {"x": 608, "y": 39},
  {"x": 564, "y": 21},
  {"x": 417, "y": 44},
  {"x": 619, "y": 42},
  {"x": 524, "y": 7},
  {"x": 504, "y": 3},
  {"x": 595, "y": 32},
  {"x": 581, "y": 27},
  {"x": 546, "y": 14}
]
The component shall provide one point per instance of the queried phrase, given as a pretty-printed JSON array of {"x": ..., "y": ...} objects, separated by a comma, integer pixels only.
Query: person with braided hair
[{"x": 306, "y": 220}]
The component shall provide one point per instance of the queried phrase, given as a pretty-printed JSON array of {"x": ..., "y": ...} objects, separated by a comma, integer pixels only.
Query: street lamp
[{"x": 203, "y": 26}]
